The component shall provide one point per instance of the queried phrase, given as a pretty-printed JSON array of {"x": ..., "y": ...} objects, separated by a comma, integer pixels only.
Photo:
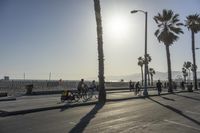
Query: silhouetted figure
[
  {"x": 159, "y": 87},
  {"x": 183, "y": 85},
  {"x": 81, "y": 86},
  {"x": 131, "y": 85},
  {"x": 190, "y": 86},
  {"x": 93, "y": 86},
  {"x": 137, "y": 88}
]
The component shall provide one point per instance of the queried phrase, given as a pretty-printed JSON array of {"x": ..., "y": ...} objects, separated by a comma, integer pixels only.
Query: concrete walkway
[{"x": 29, "y": 104}]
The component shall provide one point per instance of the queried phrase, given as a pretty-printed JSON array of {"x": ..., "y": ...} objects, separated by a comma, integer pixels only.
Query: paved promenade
[{"x": 28, "y": 104}]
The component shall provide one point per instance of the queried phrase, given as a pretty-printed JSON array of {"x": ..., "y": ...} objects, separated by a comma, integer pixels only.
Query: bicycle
[
  {"x": 75, "y": 95},
  {"x": 93, "y": 92}
]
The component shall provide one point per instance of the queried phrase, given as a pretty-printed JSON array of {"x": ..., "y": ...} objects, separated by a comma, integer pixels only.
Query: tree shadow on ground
[
  {"x": 176, "y": 111},
  {"x": 193, "y": 98},
  {"x": 166, "y": 98},
  {"x": 79, "y": 127},
  {"x": 197, "y": 92}
]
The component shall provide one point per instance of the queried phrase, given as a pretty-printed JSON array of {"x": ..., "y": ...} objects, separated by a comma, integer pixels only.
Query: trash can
[
  {"x": 3, "y": 94},
  {"x": 189, "y": 87},
  {"x": 29, "y": 89}
]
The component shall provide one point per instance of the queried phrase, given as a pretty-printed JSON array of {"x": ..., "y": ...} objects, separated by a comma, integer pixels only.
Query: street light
[{"x": 145, "y": 93}]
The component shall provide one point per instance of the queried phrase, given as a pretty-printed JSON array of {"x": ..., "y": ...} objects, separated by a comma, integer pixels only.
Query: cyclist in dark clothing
[
  {"x": 93, "y": 86},
  {"x": 81, "y": 86}
]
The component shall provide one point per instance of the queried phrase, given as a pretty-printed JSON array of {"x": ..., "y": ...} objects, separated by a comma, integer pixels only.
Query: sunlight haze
[{"x": 59, "y": 36}]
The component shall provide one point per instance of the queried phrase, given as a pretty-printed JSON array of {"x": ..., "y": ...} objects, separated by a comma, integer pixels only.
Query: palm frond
[
  {"x": 176, "y": 30},
  {"x": 192, "y": 22},
  {"x": 157, "y": 32},
  {"x": 179, "y": 24},
  {"x": 169, "y": 27}
]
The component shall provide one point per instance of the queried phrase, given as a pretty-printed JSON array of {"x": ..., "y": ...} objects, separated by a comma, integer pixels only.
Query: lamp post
[
  {"x": 196, "y": 67},
  {"x": 145, "y": 92}
]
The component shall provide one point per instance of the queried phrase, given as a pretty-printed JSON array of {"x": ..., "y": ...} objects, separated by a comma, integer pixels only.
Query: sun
[{"x": 117, "y": 27}]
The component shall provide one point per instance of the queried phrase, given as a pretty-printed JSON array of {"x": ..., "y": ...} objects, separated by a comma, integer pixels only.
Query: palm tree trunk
[
  {"x": 185, "y": 79},
  {"x": 189, "y": 77},
  {"x": 148, "y": 75},
  {"x": 102, "y": 92},
  {"x": 194, "y": 62},
  {"x": 151, "y": 80},
  {"x": 169, "y": 68},
  {"x": 142, "y": 74}
]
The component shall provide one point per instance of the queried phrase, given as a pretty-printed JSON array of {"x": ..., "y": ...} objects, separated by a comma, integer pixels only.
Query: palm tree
[
  {"x": 168, "y": 30},
  {"x": 148, "y": 60},
  {"x": 185, "y": 73},
  {"x": 193, "y": 24},
  {"x": 152, "y": 72},
  {"x": 102, "y": 92},
  {"x": 187, "y": 65},
  {"x": 193, "y": 68},
  {"x": 141, "y": 63}
]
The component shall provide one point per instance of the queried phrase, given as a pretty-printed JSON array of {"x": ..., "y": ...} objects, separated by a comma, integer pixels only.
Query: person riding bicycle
[
  {"x": 81, "y": 86},
  {"x": 93, "y": 86}
]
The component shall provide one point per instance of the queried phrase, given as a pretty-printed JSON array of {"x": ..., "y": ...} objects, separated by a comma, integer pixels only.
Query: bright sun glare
[{"x": 117, "y": 27}]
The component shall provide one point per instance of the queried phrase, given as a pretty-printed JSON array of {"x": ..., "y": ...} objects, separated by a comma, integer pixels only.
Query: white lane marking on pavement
[
  {"x": 73, "y": 123},
  {"x": 173, "y": 122},
  {"x": 139, "y": 126},
  {"x": 191, "y": 112}
]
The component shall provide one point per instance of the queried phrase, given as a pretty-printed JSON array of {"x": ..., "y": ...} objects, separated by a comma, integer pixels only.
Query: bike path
[{"x": 30, "y": 104}]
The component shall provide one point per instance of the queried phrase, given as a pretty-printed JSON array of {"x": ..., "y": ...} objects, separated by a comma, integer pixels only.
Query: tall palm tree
[
  {"x": 141, "y": 63},
  {"x": 193, "y": 24},
  {"x": 102, "y": 92},
  {"x": 185, "y": 73},
  {"x": 187, "y": 65},
  {"x": 168, "y": 30},
  {"x": 152, "y": 72},
  {"x": 148, "y": 61}
]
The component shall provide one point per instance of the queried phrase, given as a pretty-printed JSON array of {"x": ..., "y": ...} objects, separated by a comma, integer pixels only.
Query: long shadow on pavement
[
  {"x": 79, "y": 128},
  {"x": 193, "y": 98},
  {"x": 166, "y": 98},
  {"x": 176, "y": 111},
  {"x": 196, "y": 92}
]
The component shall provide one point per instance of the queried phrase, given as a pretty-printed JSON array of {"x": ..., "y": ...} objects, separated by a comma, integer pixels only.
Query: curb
[
  {"x": 7, "y": 99},
  {"x": 26, "y": 111}
]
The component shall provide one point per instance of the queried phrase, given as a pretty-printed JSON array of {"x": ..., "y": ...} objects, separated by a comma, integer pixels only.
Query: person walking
[
  {"x": 159, "y": 87},
  {"x": 183, "y": 85},
  {"x": 137, "y": 88},
  {"x": 130, "y": 85}
]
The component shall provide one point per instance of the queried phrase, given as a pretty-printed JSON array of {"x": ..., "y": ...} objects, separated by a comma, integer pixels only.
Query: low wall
[{"x": 17, "y": 87}]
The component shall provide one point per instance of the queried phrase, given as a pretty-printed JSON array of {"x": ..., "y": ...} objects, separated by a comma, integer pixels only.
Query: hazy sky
[{"x": 59, "y": 36}]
